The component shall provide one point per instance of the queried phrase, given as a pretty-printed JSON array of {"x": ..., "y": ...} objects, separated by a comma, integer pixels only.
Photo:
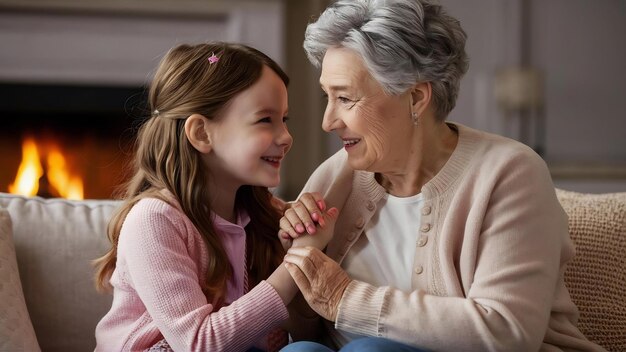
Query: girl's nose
[{"x": 284, "y": 138}]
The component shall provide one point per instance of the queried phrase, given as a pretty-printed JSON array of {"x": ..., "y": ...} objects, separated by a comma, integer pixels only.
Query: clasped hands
[{"x": 306, "y": 229}]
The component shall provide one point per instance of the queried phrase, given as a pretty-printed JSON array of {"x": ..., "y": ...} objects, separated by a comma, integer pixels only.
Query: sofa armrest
[
  {"x": 55, "y": 242},
  {"x": 596, "y": 277}
]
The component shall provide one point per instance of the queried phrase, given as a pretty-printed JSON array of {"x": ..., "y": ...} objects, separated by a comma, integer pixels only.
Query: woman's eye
[
  {"x": 285, "y": 119},
  {"x": 324, "y": 95},
  {"x": 344, "y": 100},
  {"x": 265, "y": 119}
]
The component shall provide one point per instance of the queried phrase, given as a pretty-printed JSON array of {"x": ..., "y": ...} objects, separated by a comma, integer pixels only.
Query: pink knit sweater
[{"x": 161, "y": 260}]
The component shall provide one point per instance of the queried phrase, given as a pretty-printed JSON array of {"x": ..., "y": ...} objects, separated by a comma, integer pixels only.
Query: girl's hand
[
  {"x": 322, "y": 235},
  {"x": 301, "y": 216}
]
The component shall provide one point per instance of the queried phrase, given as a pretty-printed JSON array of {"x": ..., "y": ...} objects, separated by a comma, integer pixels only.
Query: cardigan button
[
  {"x": 370, "y": 205},
  {"x": 426, "y": 210},
  {"x": 419, "y": 269},
  {"x": 422, "y": 241},
  {"x": 425, "y": 228},
  {"x": 359, "y": 223}
]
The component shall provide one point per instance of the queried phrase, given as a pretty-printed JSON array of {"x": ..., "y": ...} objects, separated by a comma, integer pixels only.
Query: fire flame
[{"x": 31, "y": 171}]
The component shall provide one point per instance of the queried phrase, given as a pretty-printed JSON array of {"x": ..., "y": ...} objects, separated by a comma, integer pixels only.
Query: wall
[
  {"x": 579, "y": 46},
  {"x": 120, "y": 43},
  {"x": 306, "y": 106}
]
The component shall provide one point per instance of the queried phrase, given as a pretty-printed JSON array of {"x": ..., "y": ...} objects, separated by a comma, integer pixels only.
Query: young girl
[{"x": 195, "y": 260}]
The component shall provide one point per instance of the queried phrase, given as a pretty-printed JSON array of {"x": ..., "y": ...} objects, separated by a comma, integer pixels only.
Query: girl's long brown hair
[{"x": 186, "y": 83}]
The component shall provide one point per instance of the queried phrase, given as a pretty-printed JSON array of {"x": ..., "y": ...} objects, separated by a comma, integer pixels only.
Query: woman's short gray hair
[{"x": 402, "y": 42}]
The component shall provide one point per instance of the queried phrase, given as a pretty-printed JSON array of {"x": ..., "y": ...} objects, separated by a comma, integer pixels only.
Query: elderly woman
[{"x": 448, "y": 238}]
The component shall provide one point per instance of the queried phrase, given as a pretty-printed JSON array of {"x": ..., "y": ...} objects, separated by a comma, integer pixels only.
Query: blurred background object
[{"x": 519, "y": 93}]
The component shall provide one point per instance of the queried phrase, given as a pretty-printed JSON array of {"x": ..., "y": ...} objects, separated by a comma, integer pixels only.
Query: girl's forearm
[{"x": 283, "y": 283}]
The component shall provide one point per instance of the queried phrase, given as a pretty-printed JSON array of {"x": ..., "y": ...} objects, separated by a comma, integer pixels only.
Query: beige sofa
[{"x": 54, "y": 241}]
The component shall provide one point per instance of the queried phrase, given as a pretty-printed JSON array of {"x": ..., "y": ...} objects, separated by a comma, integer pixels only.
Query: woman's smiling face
[{"x": 375, "y": 127}]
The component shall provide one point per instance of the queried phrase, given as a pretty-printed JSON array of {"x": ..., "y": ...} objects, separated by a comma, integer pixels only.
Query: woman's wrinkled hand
[
  {"x": 320, "y": 279},
  {"x": 304, "y": 216}
]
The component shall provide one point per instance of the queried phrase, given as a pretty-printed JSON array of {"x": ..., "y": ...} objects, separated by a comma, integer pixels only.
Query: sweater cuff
[
  {"x": 359, "y": 309},
  {"x": 270, "y": 298}
]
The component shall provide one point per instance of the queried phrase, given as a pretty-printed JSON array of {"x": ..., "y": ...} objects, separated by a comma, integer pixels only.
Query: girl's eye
[{"x": 265, "y": 119}]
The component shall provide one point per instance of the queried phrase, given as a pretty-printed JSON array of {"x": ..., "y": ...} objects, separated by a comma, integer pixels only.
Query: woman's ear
[
  {"x": 197, "y": 132},
  {"x": 421, "y": 95}
]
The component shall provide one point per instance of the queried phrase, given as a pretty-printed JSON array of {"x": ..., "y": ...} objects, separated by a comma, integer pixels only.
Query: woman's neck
[{"x": 433, "y": 144}]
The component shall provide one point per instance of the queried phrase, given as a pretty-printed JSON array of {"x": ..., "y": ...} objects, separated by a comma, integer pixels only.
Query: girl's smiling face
[{"x": 250, "y": 138}]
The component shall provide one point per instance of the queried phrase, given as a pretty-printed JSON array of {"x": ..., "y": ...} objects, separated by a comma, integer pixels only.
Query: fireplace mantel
[{"x": 119, "y": 43}]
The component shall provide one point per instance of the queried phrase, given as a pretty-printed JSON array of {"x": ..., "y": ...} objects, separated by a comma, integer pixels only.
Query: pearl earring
[{"x": 414, "y": 116}]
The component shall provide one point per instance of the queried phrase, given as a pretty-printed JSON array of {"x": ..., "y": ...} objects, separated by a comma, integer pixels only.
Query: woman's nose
[{"x": 330, "y": 121}]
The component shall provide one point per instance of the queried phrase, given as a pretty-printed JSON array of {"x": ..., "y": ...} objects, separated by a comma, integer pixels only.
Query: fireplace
[
  {"x": 74, "y": 75},
  {"x": 92, "y": 127}
]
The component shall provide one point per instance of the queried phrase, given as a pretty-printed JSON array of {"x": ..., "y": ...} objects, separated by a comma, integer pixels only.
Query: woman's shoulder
[
  {"x": 487, "y": 146},
  {"x": 494, "y": 156},
  {"x": 331, "y": 169},
  {"x": 336, "y": 160},
  {"x": 481, "y": 158}
]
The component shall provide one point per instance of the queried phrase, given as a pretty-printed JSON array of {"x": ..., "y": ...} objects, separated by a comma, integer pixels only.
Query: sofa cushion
[
  {"x": 16, "y": 330},
  {"x": 596, "y": 277},
  {"x": 55, "y": 241}
]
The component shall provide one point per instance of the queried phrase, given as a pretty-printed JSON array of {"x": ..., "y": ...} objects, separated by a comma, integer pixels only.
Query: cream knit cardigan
[{"x": 490, "y": 276}]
